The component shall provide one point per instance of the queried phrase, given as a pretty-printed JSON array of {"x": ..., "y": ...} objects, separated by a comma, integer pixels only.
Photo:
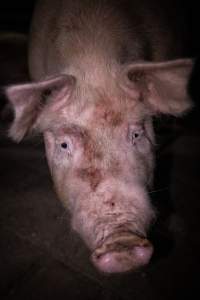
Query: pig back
[{"x": 64, "y": 32}]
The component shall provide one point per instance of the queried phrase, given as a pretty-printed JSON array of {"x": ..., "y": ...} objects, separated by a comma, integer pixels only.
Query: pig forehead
[
  {"x": 110, "y": 113},
  {"x": 106, "y": 114},
  {"x": 99, "y": 113}
]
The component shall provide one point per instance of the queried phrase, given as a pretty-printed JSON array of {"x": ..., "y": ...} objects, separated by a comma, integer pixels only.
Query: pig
[{"x": 100, "y": 71}]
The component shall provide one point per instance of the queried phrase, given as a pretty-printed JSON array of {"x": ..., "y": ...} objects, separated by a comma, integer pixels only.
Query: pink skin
[
  {"x": 103, "y": 181},
  {"x": 99, "y": 147}
]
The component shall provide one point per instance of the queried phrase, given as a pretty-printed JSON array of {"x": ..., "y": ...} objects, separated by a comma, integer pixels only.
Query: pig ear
[
  {"x": 29, "y": 99},
  {"x": 161, "y": 86}
]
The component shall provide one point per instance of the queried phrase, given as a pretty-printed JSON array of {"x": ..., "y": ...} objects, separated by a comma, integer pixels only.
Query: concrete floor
[{"x": 42, "y": 258}]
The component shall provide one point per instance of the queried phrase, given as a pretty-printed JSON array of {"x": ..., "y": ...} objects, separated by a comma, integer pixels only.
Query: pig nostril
[{"x": 110, "y": 202}]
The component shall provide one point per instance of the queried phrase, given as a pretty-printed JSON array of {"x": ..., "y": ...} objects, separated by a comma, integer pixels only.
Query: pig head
[{"x": 99, "y": 144}]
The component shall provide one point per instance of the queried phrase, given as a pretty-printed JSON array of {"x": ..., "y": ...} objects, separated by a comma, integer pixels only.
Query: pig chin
[{"x": 114, "y": 228}]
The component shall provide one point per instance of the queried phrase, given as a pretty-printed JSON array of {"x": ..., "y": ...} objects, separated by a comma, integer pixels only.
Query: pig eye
[
  {"x": 64, "y": 145},
  {"x": 136, "y": 135}
]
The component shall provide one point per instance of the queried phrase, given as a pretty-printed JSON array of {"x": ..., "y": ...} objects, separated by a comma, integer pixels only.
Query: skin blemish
[
  {"x": 106, "y": 114},
  {"x": 75, "y": 131},
  {"x": 112, "y": 117},
  {"x": 115, "y": 167},
  {"x": 91, "y": 150},
  {"x": 91, "y": 175}
]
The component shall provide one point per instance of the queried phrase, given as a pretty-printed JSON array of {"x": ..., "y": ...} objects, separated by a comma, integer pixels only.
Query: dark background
[
  {"x": 16, "y": 15},
  {"x": 40, "y": 257}
]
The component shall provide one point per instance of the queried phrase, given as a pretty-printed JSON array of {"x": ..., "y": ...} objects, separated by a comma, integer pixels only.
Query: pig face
[
  {"x": 101, "y": 162},
  {"x": 99, "y": 146}
]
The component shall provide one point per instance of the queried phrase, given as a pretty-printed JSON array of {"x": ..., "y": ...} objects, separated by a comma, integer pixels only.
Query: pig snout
[
  {"x": 114, "y": 226},
  {"x": 122, "y": 252}
]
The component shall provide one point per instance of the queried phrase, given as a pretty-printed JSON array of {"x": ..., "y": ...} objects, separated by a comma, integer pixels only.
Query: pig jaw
[{"x": 116, "y": 236}]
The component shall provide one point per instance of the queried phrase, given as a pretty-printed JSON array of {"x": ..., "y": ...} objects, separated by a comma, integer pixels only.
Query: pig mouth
[{"x": 122, "y": 252}]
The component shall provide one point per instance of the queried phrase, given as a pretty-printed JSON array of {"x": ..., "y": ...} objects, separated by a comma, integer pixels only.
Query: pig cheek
[
  {"x": 146, "y": 170},
  {"x": 70, "y": 190},
  {"x": 49, "y": 141},
  {"x": 61, "y": 184},
  {"x": 145, "y": 161},
  {"x": 67, "y": 186},
  {"x": 58, "y": 172}
]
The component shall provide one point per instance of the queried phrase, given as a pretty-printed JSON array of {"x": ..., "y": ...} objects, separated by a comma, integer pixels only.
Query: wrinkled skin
[{"x": 96, "y": 118}]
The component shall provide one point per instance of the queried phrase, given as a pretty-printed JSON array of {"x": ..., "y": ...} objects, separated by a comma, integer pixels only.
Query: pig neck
[
  {"x": 94, "y": 70},
  {"x": 93, "y": 50}
]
